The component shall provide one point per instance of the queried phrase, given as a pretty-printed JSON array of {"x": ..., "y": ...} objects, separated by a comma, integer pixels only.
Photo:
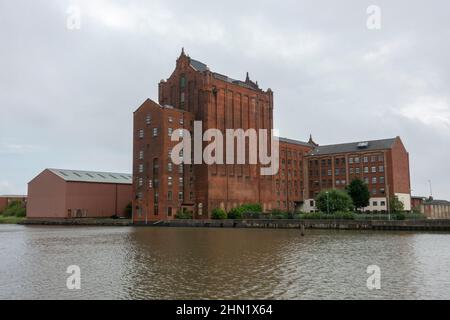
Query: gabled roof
[
  {"x": 353, "y": 147},
  {"x": 93, "y": 176}
]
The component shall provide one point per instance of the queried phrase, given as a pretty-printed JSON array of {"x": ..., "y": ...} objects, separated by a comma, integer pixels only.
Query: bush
[
  {"x": 235, "y": 213},
  {"x": 334, "y": 200},
  {"x": 396, "y": 205},
  {"x": 245, "y": 210},
  {"x": 400, "y": 216},
  {"x": 218, "y": 214},
  {"x": 15, "y": 209},
  {"x": 320, "y": 215},
  {"x": 184, "y": 215}
]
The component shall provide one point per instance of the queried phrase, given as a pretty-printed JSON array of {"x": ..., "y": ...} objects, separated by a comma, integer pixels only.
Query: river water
[{"x": 184, "y": 263}]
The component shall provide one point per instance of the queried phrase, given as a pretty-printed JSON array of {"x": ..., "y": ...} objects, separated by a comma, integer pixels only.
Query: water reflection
[{"x": 172, "y": 263}]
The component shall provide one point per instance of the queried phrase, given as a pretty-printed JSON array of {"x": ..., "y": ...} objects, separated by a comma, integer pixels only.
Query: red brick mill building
[{"x": 195, "y": 93}]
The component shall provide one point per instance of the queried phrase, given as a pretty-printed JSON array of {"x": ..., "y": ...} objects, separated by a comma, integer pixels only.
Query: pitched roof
[
  {"x": 297, "y": 142},
  {"x": 202, "y": 67},
  {"x": 199, "y": 66},
  {"x": 93, "y": 176},
  {"x": 353, "y": 147}
]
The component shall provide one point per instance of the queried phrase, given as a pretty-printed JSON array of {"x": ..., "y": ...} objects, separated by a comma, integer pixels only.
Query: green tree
[
  {"x": 395, "y": 205},
  {"x": 15, "y": 209},
  {"x": 218, "y": 214},
  {"x": 359, "y": 192},
  {"x": 334, "y": 200}
]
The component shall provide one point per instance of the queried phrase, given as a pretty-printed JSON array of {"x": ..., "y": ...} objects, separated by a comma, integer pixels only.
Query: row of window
[
  {"x": 169, "y": 196},
  {"x": 342, "y": 171}
]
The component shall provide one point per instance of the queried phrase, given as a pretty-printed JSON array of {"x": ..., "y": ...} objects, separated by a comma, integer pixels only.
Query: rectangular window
[
  {"x": 381, "y": 158},
  {"x": 357, "y": 160},
  {"x": 374, "y": 191},
  {"x": 182, "y": 81},
  {"x": 182, "y": 97},
  {"x": 155, "y": 132},
  {"x": 375, "y": 204},
  {"x": 357, "y": 170},
  {"x": 140, "y": 182},
  {"x": 148, "y": 119},
  {"x": 181, "y": 121},
  {"x": 329, "y": 172},
  {"x": 352, "y": 171},
  {"x": 141, "y": 134},
  {"x": 366, "y": 169},
  {"x": 382, "y": 203},
  {"x": 170, "y": 119},
  {"x": 180, "y": 168},
  {"x": 373, "y": 158},
  {"x": 170, "y": 131},
  {"x": 381, "y": 168},
  {"x": 374, "y": 169},
  {"x": 366, "y": 180},
  {"x": 181, "y": 181},
  {"x": 191, "y": 196},
  {"x": 141, "y": 155},
  {"x": 366, "y": 159},
  {"x": 169, "y": 211},
  {"x": 337, "y": 171},
  {"x": 150, "y": 183},
  {"x": 374, "y": 180},
  {"x": 169, "y": 181},
  {"x": 141, "y": 168},
  {"x": 382, "y": 191},
  {"x": 169, "y": 195},
  {"x": 381, "y": 179},
  {"x": 169, "y": 167},
  {"x": 180, "y": 196},
  {"x": 350, "y": 160}
]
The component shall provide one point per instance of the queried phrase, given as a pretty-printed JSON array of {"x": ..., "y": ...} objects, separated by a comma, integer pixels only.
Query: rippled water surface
[{"x": 173, "y": 263}]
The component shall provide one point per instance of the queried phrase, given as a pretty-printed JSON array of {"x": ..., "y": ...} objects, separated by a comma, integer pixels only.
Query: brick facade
[{"x": 194, "y": 93}]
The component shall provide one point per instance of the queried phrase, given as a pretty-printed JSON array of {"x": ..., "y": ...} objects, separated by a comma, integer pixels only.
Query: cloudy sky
[{"x": 67, "y": 94}]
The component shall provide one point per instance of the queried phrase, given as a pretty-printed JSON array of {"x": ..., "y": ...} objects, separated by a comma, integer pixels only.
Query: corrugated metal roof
[
  {"x": 93, "y": 176},
  {"x": 12, "y": 196},
  {"x": 353, "y": 147}
]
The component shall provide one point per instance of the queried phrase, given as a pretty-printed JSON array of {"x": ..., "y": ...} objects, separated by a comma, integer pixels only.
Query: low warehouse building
[{"x": 57, "y": 193}]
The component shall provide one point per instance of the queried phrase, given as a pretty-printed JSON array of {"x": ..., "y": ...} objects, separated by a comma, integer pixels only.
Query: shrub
[
  {"x": 184, "y": 215},
  {"x": 396, "y": 205},
  {"x": 15, "y": 209},
  {"x": 218, "y": 214},
  {"x": 400, "y": 216},
  {"x": 320, "y": 215},
  {"x": 235, "y": 213},
  {"x": 334, "y": 200},
  {"x": 245, "y": 210}
]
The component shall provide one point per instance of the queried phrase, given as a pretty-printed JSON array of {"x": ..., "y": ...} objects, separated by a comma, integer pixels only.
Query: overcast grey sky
[{"x": 67, "y": 96}]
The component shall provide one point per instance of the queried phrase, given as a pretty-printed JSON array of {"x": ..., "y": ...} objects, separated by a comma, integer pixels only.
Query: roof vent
[{"x": 362, "y": 145}]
